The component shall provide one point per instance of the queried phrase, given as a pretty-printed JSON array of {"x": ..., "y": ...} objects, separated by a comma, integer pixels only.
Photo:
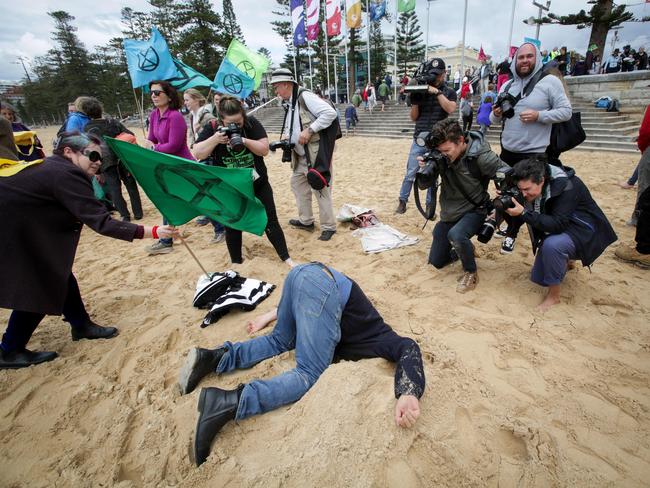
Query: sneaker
[
  {"x": 218, "y": 237},
  {"x": 467, "y": 282},
  {"x": 508, "y": 245},
  {"x": 629, "y": 254},
  {"x": 299, "y": 225},
  {"x": 159, "y": 248},
  {"x": 203, "y": 220},
  {"x": 326, "y": 235},
  {"x": 500, "y": 234},
  {"x": 401, "y": 207}
]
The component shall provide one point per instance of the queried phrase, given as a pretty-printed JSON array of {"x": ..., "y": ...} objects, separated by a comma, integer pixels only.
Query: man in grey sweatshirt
[{"x": 528, "y": 132}]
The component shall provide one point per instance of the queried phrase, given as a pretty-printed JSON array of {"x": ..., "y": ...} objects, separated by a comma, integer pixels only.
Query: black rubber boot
[
  {"x": 24, "y": 358},
  {"x": 91, "y": 330},
  {"x": 199, "y": 363},
  {"x": 216, "y": 408}
]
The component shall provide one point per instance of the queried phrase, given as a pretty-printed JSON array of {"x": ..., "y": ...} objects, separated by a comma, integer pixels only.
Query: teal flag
[
  {"x": 232, "y": 81},
  {"x": 182, "y": 189},
  {"x": 149, "y": 60},
  {"x": 185, "y": 78}
]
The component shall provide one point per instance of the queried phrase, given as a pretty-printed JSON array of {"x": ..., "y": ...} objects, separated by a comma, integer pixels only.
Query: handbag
[{"x": 567, "y": 135}]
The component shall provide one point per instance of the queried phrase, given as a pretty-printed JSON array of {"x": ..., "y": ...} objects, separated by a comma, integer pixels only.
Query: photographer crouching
[
  {"x": 564, "y": 222},
  {"x": 465, "y": 164},
  {"x": 431, "y": 101}
]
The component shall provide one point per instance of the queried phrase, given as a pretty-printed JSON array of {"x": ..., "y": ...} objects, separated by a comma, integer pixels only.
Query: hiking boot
[
  {"x": 216, "y": 408},
  {"x": 299, "y": 225},
  {"x": 401, "y": 207},
  {"x": 508, "y": 245},
  {"x": 467, "y": 282},
  {"x": 199, "y": 363},
  {"x": 218, "y": 237},
  {"x": 629, "y": 254},
  {"x": 24, "y": 358},
  {"x": 326, "y": 235},
  {"x": 90, "y": 330},
  {"x": 159, "y": 248}
]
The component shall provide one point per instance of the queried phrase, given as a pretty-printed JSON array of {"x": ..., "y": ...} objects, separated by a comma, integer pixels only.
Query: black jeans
[
  {"x": 115, "y": 175},
  {"x": 456, "y": 234},
  {"x": 273, "y": 230},
  {"x": 22, "y": 325},
  {"x": 642, "y": 236},
  {"x": 467, "y": 122}
]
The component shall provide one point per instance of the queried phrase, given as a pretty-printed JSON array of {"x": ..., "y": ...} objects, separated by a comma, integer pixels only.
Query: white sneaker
[{"x": 508, "y": 245}]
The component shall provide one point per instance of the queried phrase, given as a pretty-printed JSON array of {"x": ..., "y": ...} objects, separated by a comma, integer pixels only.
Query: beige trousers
[{"x": 303, "y": 193}]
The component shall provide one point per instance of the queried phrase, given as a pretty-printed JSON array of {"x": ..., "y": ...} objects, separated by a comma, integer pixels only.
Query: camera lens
[
  {"x": 236, "y": 143},
  {"x": 487, "y": 230}
]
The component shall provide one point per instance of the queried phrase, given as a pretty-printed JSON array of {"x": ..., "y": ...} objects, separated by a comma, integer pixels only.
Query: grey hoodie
[{"x": 548, "y": 98}]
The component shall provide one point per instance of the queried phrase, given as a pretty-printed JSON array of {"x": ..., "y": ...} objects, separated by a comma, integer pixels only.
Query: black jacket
[{"x": 567, "y": 206}]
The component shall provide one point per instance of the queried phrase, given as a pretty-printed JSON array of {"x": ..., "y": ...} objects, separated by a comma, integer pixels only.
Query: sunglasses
[
  {"x": 94, "y": 156},
  {"x": 157, "y": 93}
]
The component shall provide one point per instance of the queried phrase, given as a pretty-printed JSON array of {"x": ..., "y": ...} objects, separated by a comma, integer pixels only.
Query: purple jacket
[
  {"x": 483, "y": 117},
  {"x": 168, "y": 133}
]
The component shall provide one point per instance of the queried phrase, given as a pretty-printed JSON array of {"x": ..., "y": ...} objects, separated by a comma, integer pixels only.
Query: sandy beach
[{"x": 514, "y": 398}]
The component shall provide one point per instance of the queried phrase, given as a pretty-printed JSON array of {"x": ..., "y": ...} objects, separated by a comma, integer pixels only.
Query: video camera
[
  {"x": 233, "y": 131},
  {"x": 286, "y": 147},
  {"x": 425, "y": 76}
]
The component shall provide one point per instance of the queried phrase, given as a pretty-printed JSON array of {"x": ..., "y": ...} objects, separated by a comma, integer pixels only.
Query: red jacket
[{"x": 644, "y": 131}]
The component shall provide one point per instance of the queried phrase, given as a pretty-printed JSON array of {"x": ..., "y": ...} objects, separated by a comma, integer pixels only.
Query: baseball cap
[{"x": 437, "y": 65}]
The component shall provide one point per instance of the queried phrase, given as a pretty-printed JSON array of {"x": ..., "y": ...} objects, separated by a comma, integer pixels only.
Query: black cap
[{"x": 437, "y": 66}]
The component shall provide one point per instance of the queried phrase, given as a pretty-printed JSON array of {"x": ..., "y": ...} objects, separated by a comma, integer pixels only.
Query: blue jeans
[
  {"x": 457, "y": 235},
  {"x": 163, "y": 239},
  {"x": 552, "y": 260},
  {"x": 309, "y": 321},
  {"x": 412, "y": 167},
  {"x": 218, "y": 228}
]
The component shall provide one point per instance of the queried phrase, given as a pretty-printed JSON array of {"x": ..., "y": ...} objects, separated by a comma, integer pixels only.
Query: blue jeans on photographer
[
  {"x": 309, "y": 321},
  {"x": 457, "y": 235},
  {"x": 412, "y": 167}
]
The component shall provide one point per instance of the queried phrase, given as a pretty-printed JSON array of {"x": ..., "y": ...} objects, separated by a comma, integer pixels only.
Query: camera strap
[{"x": 294, "y": 101}]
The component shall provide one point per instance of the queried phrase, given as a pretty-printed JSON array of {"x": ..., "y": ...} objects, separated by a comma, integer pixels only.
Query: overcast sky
[{"x": 27, "y": 27}]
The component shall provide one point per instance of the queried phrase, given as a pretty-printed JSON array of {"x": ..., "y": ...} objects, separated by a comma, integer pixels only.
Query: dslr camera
[
  {"x": 286, "y": 147},
  {"x": 233, "y": 131},
  {"x": 509, "y": 192},
  {"x": 506, "y": 102},
  {"x": 434, "y": 162}
]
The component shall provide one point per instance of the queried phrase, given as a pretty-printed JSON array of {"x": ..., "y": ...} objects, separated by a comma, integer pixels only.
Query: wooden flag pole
[
  {"x": 194, "y": 256},
  {"x": 140, "y": 109}
]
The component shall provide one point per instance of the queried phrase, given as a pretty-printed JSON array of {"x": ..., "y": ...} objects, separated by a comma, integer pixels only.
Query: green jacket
[
  {"x": 453, "y": 204},
  {"x": 356, "y": 100},
  {"x": 383, "y": 89}
]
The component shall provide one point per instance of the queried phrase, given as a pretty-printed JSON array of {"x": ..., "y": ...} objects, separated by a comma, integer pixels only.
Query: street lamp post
[
  {"x": 542, "y": 8},
  {"x": 426, "y": 46}
]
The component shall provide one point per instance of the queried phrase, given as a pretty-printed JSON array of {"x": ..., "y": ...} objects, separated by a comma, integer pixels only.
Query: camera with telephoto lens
[
  {"x": 286, "y": 147},
  {"x": 435, "y": 162},
  {"x": 509, "y": 192},
  {"x": 233, "y": 131},
  {"x": 506, "y": 102}
]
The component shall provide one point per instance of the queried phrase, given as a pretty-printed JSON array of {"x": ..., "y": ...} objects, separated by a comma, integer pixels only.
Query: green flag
[
  {"x": 182, "y": 189},
  {"x": 405, "y": 5},
  {"x": 250, "y": 63}
]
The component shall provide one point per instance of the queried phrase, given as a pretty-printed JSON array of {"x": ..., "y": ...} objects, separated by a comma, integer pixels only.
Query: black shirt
[
  {"x": 364, "y": 334},
  {"x": 224, "y": 156},
  {"x": 430, "y": 110}
]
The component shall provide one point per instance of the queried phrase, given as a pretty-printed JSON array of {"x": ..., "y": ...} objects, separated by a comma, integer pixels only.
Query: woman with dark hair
[
  {"x": 55, "y": 199},
  {"x": 255, "y": 146},
  {"x": 29, "y": 151},
  {"x": 167, "y": 134}
]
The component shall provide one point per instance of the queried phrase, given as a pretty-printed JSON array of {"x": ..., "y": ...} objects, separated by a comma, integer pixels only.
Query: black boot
[
  {"x": 199, "y": 363},
  {"x": 24, "y": 358},
  {"x": 90, "y": 330},
  {"x": 216, "y": 408}
]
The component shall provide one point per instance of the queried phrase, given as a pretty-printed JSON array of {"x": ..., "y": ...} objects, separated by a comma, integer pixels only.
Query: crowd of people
[{"x": 322, "y": 314}]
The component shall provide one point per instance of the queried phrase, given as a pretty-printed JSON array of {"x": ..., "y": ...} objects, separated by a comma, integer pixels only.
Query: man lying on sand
[{"x": 323, "y": 315}]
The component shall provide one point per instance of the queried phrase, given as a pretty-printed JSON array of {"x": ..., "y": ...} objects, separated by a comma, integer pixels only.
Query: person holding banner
[
  {"x": 311, "y": 126},
  {"x": 225, "y": 152},
  {"x": 167, "y": 134},
  {"x": 44, "y": 206}
]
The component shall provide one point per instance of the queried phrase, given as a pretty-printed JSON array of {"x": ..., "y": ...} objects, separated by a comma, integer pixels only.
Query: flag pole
[
  {"x": 311, "y": 73},
  {"x": 462, "y": 55},
  {"x": 395, "y": 56},
  {"x": 327, "y": 63},
  {"x": 368, "y": 39},
  {"x": 194, "y": 256},
  {"x": 347, "y": 68},
  {"x": 141, "y": 110}
]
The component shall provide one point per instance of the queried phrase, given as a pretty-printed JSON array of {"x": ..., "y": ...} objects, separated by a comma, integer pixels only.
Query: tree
[
  {"x": 136, "y": 25},
  {"x": 603, "y": 16},
  {"x": 201, "y": 44},
  {"x": 167, "y": 16},
  {"x": 231, "y": 29},
  {"x": 410, "y": 49},
  {"x": 377, "y": 51}
]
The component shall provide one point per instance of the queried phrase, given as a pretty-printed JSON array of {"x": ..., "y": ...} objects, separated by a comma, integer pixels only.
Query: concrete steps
[{"x": 609, "y": 131}]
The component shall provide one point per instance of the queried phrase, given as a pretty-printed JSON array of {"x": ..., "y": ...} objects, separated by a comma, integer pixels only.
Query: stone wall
[{"x": 631, "y": 88}]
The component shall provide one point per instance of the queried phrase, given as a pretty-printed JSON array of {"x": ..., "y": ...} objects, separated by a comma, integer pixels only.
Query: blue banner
[
  {"x": 149, "y": 60},
  {"x": 298, "y": 23},
  {"x": 377, "y": 9},
  {"x": 232, "y": 81},
  {"x": 533, "y": 41}
]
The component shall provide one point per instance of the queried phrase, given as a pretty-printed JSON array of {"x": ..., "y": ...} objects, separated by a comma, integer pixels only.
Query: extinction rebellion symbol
[
  {"x": 233, "y": 83},
  {"x": 149, "y": 60},
  {"x": 247, "y": 68}
]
